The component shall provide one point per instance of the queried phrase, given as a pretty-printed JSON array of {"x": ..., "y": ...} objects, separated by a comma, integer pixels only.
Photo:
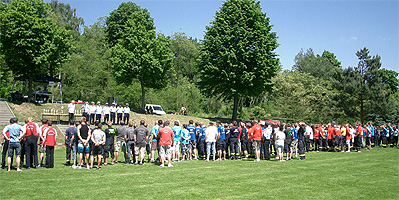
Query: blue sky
[{"x": 341, "y": 27}]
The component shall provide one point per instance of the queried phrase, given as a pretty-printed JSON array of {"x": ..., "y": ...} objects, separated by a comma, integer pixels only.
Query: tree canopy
[
  {"x": 237, "y": 57},
  {"x": 31, "y": 43}
]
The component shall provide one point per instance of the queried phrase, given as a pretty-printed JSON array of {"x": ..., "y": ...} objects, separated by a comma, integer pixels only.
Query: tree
[
  {"x": 137, "y": 51},
  {"x": 319, "y": 66},
  {"x": 237, "y": 57},
  {"x": 66, "y": 17},
  {"x": 186, "y": 52},
  {"x": 31, "y": 43},
  {"x": 363, "y": 89}
]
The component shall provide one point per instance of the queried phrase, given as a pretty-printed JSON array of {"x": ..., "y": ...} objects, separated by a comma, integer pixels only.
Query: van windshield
[{"x": 158, "y": 108}]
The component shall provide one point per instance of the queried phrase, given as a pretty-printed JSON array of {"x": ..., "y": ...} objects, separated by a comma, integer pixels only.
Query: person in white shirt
[
  {"x": 71, "y": 110},
  {"x": 308, "y": 134},
  {"x": 112, "y": 110},
  {"x": 85, "y": 110},
  {"x": 119, "y": 111},
  {"x": 279, "y": 138},
  {"x": 267, "y": 133},
  {"x": 106, "y": 112},
  {"x": 210, "y": 138},
  {"x": 126, "y": 113},
  {"x": 99, "y": 111},
  {"x": 92, "y": 113}
]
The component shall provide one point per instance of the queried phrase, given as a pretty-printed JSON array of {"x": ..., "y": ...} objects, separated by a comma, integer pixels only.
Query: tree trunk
[
  {"x": 235, "y": 107},
  {"x": 142, "y": 95}
]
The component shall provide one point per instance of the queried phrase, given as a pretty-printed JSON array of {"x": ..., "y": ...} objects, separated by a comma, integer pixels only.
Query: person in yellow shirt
[{"x": 343, "y": 132}]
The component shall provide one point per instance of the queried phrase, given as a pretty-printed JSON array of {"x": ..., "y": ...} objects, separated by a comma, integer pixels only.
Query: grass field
[{"x": 368, "y": 175}]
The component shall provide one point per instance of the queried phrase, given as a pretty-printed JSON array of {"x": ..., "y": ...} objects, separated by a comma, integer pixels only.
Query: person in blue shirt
[
  {"x": 154, "y": 144},
  {"x": 201, "y": 142},
  {"x": 372, "y": 134},
  {"x": 294, "y": 144},
  {"x": 193, "y": 140},
  {"x": 185, "y": 135},
  {"x": 176, "y": 141},
  {"x": 15, "y": 135},
  {"x": 221, "y": 141}
]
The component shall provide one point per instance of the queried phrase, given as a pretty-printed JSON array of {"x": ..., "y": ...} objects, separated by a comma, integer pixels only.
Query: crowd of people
[{"x": 167, "y": 143}]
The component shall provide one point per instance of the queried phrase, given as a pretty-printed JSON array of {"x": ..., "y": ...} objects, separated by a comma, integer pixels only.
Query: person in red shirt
[
  {"x": 165, "y": 136},
  {"x": 49, "y": 141},
  {"x": 338, "y": 138},
  {"x": 348, "y": 138},
  {"x": 316, "y": 135},
  {"x": 358, "y": 137},
  {"x": 255, "y": 138},
  {"x": 321, "y": 137},
  {"x": 31, "y": 131},
  {"x": 330, "y": 132}
]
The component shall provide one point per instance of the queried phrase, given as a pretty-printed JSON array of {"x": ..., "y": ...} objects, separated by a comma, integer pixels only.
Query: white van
[{"x": 154, "y": 109}]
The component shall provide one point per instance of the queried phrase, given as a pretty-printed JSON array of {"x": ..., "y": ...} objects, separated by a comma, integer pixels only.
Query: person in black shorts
[
  {"x": 109, "y": 143},
  {"x": 288, "y": 141},
  {"x": 244, "y": 139},
  {"x": 221, "y": 141}
]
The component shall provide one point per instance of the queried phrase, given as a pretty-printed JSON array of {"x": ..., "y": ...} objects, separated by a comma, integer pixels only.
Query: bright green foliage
[
  {"x": 186, "y": 52},
  {"x": 138, "y": 53},
  {"x": 66, "y": 17},
  {"x": 87, "y": 74},
  {"x": 32, "y": 44},
  {"x": 237, "y": 58},
  {"x": 301, "y": 96},
  {"x": 319, "y": 66},
  {"x": 363, "y": 90}
]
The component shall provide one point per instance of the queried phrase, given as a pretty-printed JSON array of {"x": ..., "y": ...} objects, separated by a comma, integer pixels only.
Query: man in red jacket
[
  {"x": 31, "y": 131},
  {"x": 165, "y": 136}
]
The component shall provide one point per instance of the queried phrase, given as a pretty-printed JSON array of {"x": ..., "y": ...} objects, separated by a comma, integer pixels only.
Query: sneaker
[
  {"x": 88, "y": 167},
  {"x": 162, "y": 165},
  {"x": 105, "y": 164},
  {"x": 141, "y": 163},
  {"x": 245, "y": 159},
  {"x": 116, "y": 162},
  {"x": 79, "y": 167},
  {"x": 73, "y": 166},
  {"x": 359, "y": 152},
  {"x": 112, "y": 163},
  {"x": 98, "y": 168},
  {"x": 135, "y": 163},
  {"x": 170, "y": 165},
  {"x": 152, "y": 161}
]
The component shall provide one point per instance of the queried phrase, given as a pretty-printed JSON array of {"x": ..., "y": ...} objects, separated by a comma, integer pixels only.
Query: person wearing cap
[
  {"x": 85, "y": 110},
  {"x": 119, "y": 111},
  {"x": 112, "y": 110},
  {"x": 106, "y": 112},
  {"x": 126, "y": 113},
  {"x": 71, "y": 110},
  {"x": 99, "y": 111},
  {"x": 92, "y": 112}
]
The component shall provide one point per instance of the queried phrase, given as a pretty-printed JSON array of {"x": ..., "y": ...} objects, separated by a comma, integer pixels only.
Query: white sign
[{"x": 51, "y": 83}]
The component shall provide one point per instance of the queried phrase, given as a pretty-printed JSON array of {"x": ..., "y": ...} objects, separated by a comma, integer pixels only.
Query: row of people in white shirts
[{"x": 106, "y": 110}]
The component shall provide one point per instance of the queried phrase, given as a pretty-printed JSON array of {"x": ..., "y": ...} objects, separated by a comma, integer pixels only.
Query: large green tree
[
  {"x": 66, "y": 17},
  {"x": 138, "y": 53},
  {"x": 364, "y": 89},
  {"x": 237, "y": 57},
  {"x": 31, "y": 43},
  {"x": 321, "y": 66}
]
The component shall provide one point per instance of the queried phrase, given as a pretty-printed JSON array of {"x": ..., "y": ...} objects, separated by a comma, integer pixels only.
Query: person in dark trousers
[
  {"x": 201, "y": 142},
  {"x": 244, "y": 140},
  {"x": 4, "y": 151},
  {"x": 267, "y": 133},
  {"x": 92, "y": 110},
  {"x": 70, "y": 134},
  {"x": 49, "y": 141},
  {"x": 301, "y": 141},
  {"x": 109, "y": 143},
  {"x": 234, "y": 141},
  {"x": 31, "y": 131},
  {"x": 126, "y": 114},
  {"x": 113, "y": 111}
]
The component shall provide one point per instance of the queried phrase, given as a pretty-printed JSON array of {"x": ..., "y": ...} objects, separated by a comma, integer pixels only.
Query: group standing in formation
[{"x": 87, "y": 143}]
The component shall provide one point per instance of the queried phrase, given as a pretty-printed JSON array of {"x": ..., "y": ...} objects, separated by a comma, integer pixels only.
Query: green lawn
[{"x": 367, "y": 175}]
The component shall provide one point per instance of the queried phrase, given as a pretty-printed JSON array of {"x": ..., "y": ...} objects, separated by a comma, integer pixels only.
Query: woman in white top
[{"x": 279, "y": 138}]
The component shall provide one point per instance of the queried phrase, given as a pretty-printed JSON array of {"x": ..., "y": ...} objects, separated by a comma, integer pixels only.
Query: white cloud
[{"x": 353, "y": 38}]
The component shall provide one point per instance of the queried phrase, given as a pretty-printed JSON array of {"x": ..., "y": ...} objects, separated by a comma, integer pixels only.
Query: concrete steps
[{"x": 5, "y": 113}]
